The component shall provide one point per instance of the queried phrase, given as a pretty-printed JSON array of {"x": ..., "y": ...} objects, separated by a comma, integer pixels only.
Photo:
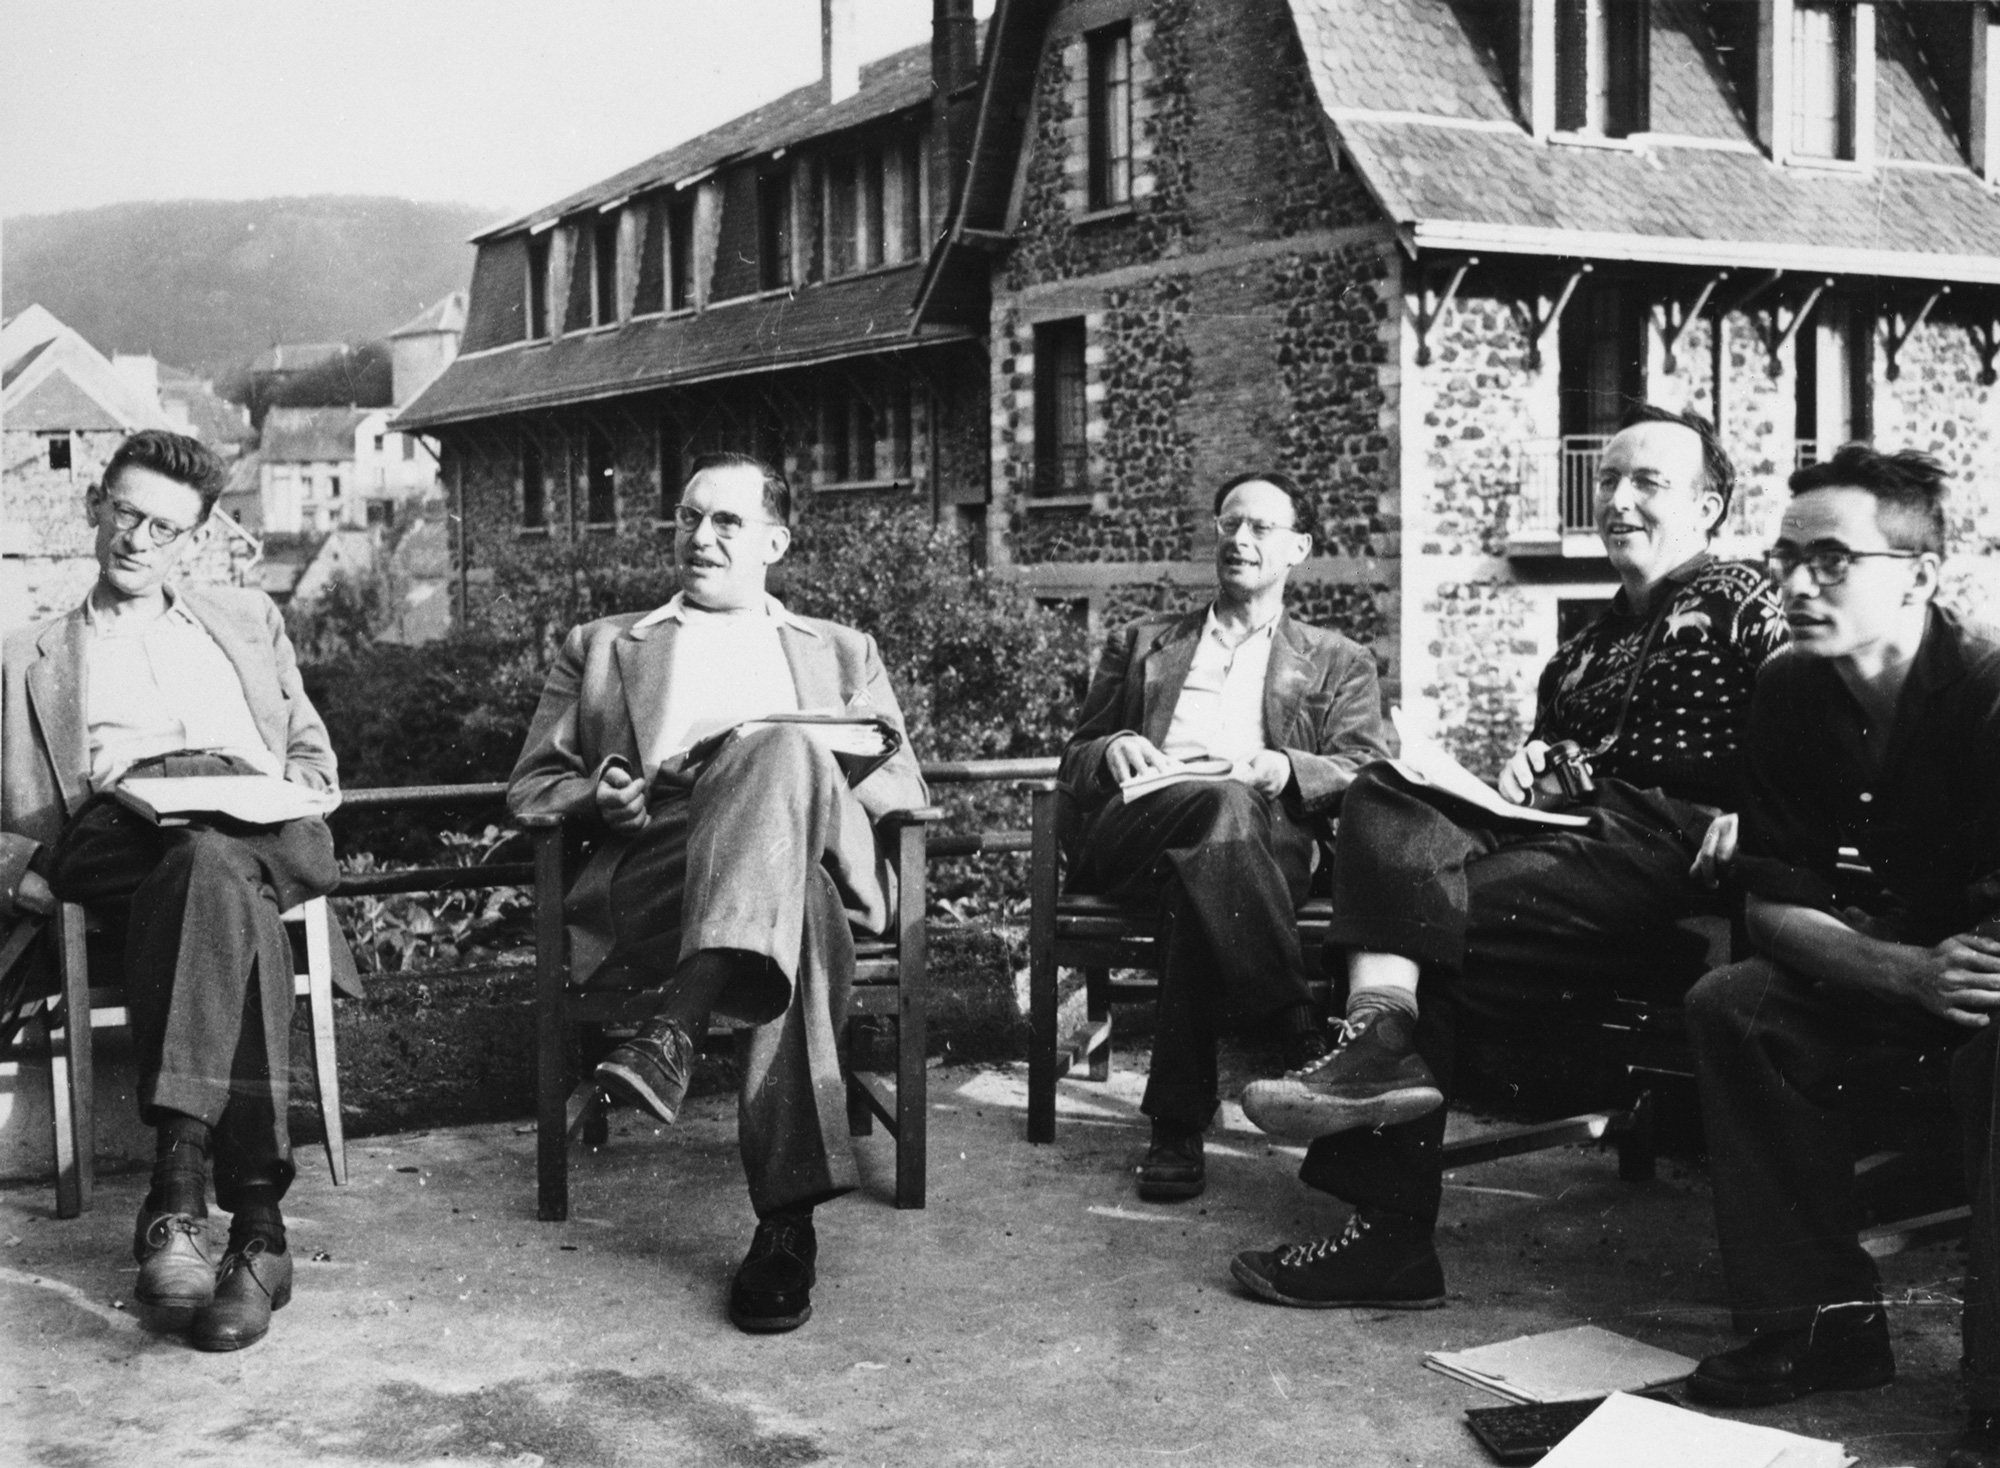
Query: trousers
[
  {"x": 1778, "y": 1056},
  {"x": 770, "y": 853},
  {"x": 1226, "y": 869},
  {"x": 1510, "y": 925},
  {"x": 207, "y": 963}
]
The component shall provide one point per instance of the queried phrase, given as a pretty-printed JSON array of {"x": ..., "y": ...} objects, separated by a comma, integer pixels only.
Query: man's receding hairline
[{"x": 1700, "y": 445}]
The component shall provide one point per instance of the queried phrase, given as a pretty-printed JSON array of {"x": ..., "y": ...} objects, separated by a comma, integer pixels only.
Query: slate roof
[
  {"x": 1423, "y": 109},
  {"x": 890, "y": 85},
  {"x": 310, "y": 435},
  {"x": 865, "y": 314}
]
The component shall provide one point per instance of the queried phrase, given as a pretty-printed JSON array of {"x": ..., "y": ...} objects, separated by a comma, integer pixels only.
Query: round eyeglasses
[
  {"x": 162, "y": 533},
  {"x": 1226, "y": 526},
  {"x": 728, "y": 524}
]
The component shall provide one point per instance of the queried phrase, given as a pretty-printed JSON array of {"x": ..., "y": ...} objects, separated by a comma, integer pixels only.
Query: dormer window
[
  {"x": 538, "y": 287},
  {"x": 774, "y": 230},
  {"x": 604, "y": 268},
  {"x": 1601, "y": 66},
  {"x": 1823, "y": 81}
]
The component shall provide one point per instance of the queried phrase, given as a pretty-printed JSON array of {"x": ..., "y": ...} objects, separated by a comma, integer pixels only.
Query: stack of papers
[
  {"x": 1426, "y": 762},
  {"x": 1562, "y": 1365},
  {"x": 1631, "y": 1432},
  {"x": 255, "y": 800}
]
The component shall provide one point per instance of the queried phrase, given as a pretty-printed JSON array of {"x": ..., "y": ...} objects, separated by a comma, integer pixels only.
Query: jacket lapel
[
  {"x": 815, "y": 669},
  {"x": 1286, "y": 679},
  {"x": 1167, "y": 665},
  {"x": 645, "y": 658},
  {"x": 255, "y": 674},
  {"x": 55, "y": 688}
]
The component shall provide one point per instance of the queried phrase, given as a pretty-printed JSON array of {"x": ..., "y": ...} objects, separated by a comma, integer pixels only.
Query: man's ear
[
  {"x": 1925, "y": 572},
  {"x": 777, "y": 545},
  {"x": 90, "y": 499}
]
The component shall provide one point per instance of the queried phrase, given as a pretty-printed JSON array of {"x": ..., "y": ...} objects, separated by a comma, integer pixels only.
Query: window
[
  {"x": 381, "y": 512},
  {"x": 409, "y": 448},
  {"x": 1831, "y": 382},
  {"x": 604, "y": 267},
  {"x": 1823, "y": 81},
  {"x": 1110, "y": 116},
  {"x": 843, "y": 217},
  {"x": 1061, "y": 459},
  {"x": 847, "y": 435},
  {"x": 902, "y": 203},
  {"x": 874, "y": 207},
  {"x": 900, "y": 435},
  {"x": 333, "y": 487},
  {"x": 59, "y": 452},
  {"x": 774, "y": 230},
  {"x": 600, "y": 494},
  {"x": 538, "y": 287},
  {"x": 1601, "y": 72},
  {"x": 869, "y": 244},
  {"x": 534, "y": 487},
  {"x": 680, "y": 252},
  {"x": 1600, "y": 372},
  {"x": 381, "y": 442}
]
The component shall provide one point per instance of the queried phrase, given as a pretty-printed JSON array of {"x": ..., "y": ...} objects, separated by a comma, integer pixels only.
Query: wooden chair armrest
[
  {"x": 538, "y": 821},
  {"x": 403, "y": 797},
  {"x": 916, "y": 815}
]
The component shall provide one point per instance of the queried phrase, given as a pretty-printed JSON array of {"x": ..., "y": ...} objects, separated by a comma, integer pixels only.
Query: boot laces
[
  {"x": 1345, "y": 1032},
  {"x": 159, "y": 1231},
  {"x": 1301, "y": 1254}
]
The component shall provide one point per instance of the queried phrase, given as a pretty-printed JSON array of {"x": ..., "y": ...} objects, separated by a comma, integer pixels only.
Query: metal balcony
[{"x": 1554, "y": 507}]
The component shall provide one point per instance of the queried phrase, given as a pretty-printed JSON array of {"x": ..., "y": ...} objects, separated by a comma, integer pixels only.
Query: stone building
[
  {"x": 1420, "y": 254},
  {"x": 750, "y": 289},
  {"x": 326, "y": 469},
  {"x": 64, "y": 409},
  {"x": 422, "y": 347}
]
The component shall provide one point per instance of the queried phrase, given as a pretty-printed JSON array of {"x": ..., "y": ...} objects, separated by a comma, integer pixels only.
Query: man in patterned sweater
[{"x": 1448, "y": 913}]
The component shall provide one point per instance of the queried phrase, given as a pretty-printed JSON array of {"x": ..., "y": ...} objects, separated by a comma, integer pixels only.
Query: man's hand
[
  {"x": 1267, "y": 771},
  {"x": 1958, "y": 980},
  {"x": 1718, "y": 850},
  {"x": 34, "y": 895},
  {"x": 621, "y": 800},
  {"x": 1517, "y": 781},
  {"x": 1133, "y": 755}
]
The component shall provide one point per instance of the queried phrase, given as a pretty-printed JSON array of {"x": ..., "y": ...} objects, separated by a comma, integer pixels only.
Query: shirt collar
[
  {"x": 1212, "y": 626},
  {"x": 676, "y": 607},
  {"x": 176, "y": 611},
  {"x": 1680, "y": 576}
]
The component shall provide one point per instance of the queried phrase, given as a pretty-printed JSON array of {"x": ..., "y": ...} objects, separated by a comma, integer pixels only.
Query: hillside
[{"x": 206, "y": 284}]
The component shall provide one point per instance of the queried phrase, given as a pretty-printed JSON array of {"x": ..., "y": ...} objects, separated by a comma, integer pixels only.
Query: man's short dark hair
[
  {"x": 1305, "y": 518},
  {"x": 1717, "y": 473},
  {"x": 777, "y": 493},
  {"x": 172, "y": 456},
  {"x": 1909, "y": 490}
]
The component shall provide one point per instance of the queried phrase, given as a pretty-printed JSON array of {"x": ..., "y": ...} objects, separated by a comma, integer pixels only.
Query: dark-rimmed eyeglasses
[
  {"x": 1827, "y": 564},
  {"x": 1226, "y": 526},
  {"x": 728, "y": 524},
  {"x": 162, "y": 533}
]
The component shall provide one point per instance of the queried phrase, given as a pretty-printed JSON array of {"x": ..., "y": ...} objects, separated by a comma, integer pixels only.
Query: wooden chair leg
[
  {"x": 596, "y": 1129},
  {"x": 1097, "y": 998},
  {"x": 1639, "y": 1144},
  {"x": 71, "y": 1074},
  {"x": 1042, "y": 1012},
  {"x": 326, "y": 1054},
  {"x": 551, "y": 1031},
  {"x": 912, "y": 1007}
]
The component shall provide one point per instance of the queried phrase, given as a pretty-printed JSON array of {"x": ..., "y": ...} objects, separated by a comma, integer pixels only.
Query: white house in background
[
  {"x": 422, "y": 347},
  {"x": 325, "y": 469}
]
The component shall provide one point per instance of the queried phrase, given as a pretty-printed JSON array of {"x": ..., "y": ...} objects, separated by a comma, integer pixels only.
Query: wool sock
[
  {"x": 1380, "y": 997},
  {"x": 180, "y": 1166},
  {"x": 257, "y": 1217}
]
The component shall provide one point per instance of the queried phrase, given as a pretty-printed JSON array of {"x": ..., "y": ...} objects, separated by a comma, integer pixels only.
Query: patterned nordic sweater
[{"x": 1692, "y": 702}]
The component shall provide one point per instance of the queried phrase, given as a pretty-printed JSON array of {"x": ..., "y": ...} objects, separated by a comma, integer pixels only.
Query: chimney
[
  {"x": 954, "y": 101},
  {"x": 954, "y": 45},
  {"x": 840, "y": 62}
]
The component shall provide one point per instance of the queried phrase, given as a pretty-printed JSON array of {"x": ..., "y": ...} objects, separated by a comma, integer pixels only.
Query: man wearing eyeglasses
[
  {"x": 148, "y": 678},
  {"x": 1295, "y": 710},
  {"x": 1871, "y": 858},
  {"x": 730, "y": 887}
]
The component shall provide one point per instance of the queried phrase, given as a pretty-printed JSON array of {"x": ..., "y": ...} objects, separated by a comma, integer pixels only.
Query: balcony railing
[
  {"x": 1806, "y": 454},
  {"x": 1556, "y": 509}
]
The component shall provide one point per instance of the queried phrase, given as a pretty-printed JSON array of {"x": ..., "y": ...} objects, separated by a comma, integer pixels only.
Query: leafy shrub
[{"x": 401, "y": 932}]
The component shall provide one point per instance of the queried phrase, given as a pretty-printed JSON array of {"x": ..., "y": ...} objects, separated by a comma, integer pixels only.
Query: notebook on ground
[
  {"x": 1632, "y": 1432},
  {"x": 255, "y": 800},
  {"x": 1562, "y": 1365}
]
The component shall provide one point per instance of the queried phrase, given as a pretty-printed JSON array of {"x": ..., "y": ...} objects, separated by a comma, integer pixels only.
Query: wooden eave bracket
[
  {"x": 1536, "y": 323},
  {"x": 1897, "y": 330},
  {"x": 1985, "y": 340},
  {"x": 1431, "y": 304},
  {"x": 1674, "y": 317},
  {"x": 1778, "y": 331}
]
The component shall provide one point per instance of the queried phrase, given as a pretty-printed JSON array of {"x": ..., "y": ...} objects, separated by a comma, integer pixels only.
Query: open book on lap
[
  {"x": 254, "y": 800},
  {"x": 1202, "y": 768},
  {"x": 1426, "y": 762},
  {"x": 859, "y": 743}
]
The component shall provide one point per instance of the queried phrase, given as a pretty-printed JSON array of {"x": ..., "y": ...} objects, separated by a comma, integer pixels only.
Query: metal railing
[
  {"x": 1806, "y": 453},
  {"x": 1558, "y": 487}
]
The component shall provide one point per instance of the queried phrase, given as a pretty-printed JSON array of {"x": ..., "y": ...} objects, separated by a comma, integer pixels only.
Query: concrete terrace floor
[{"x": 1035, "y": 1312}]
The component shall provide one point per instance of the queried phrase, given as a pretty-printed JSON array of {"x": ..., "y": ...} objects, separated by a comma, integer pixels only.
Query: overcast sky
[{"x": 501, "y": 103}]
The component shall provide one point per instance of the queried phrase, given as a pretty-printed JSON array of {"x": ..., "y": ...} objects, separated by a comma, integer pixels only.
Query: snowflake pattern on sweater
[{"x": 1691, "y": 705}]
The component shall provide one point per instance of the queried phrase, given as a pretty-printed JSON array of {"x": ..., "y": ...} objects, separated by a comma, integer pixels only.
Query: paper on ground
[
  {"x": 1426, "y": 762},
  {"x": 1632, "y": 1432},
  {"x": 1562, "y": 1365}
]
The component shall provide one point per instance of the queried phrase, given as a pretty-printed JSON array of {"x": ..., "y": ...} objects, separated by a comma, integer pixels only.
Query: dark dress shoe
[
  {"x": 176, "y": 1261},
  {"x": 650, "y": 1070},
  {"x": 1843, "y": 1350},
  {"x": 252, "y": 1284},
  {"x": 1174, "y": 1169},
  {"x": 772, "y": 1290},
  {"x": 1980, "y": 1446},
  {"x": 1372, "y": 1263}
]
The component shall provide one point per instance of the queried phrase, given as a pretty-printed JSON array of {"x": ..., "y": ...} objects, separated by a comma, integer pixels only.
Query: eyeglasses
[
  {"x": 1828, "y": 564},
  {"x": 728, "y": 524},
  {"x": 161, "y": 532},
  {"x": 1226, "y": 526}
]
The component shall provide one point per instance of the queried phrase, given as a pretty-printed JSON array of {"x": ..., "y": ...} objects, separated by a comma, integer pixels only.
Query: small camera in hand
[{"x": 1569, "y": 767}]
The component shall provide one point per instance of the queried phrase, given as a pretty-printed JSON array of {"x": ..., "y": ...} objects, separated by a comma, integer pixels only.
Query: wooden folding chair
[{"x": 889, "y": 978}]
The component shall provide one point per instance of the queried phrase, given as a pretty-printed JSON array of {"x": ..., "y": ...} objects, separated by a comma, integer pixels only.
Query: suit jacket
[
  {"x": 606, "y": 695},
  {"x": 45, "y": 739},
  {"x": 1322, "y": 705}
]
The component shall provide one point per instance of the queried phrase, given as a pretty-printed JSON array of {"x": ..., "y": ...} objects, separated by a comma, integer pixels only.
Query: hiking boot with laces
[
  {"x": 650, "y": 1070},
  {"x": 1371, "y": 1263},
  {"x": 1374, "y": 1078},
  {"x": 772, "y": 1290}
]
